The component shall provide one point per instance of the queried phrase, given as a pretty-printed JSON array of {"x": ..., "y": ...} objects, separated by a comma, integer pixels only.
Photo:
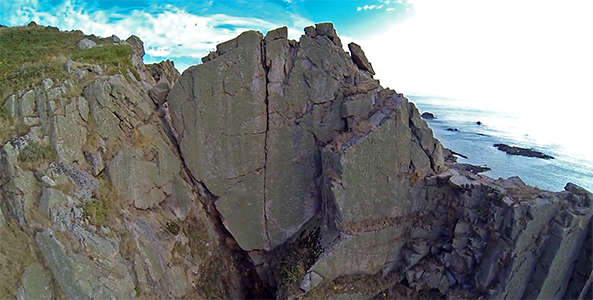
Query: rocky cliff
[{"x": 274, "y": 169}]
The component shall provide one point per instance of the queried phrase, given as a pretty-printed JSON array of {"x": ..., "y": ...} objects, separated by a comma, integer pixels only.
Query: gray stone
[
  {"x": 81, "y": 278},
  {"x": 160, "y": 91},
  {"x": 278, "y": 33},
  {"x": 115, "y": 39},
  {"x": 86, "y": 44},
  {"x": 360, "y": 58},
  {"x": 227, "y": 129},
  {"x": 363, "y": 253},
  {"x": 136, "y": 180},
  {"x": 327, "y": 29},
  {"x": 47, "y": 83},
  {"x": 310, "y": 281},
  {"x": 36, "y": 284},
  {"x": 137, "y": 44}
]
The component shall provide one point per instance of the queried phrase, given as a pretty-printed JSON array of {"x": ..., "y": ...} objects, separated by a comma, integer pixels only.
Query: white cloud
[
  {"x": 169, "y": 32},
  {"x": 532, "y": 57}
]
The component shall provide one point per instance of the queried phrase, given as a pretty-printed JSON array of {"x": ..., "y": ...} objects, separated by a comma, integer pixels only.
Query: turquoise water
[{"x": 475, "y": 142}]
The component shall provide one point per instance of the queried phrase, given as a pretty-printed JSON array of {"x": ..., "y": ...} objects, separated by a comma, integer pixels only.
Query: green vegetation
[
  {"x": 33, "y": 152},
  {"x": 115, "y": 57},
  {"x": 31, "y": 53},
  {"x": 103, "y": 208},
  {"x": 15, "y": 255},
  {"x": 173, "y": 228},
  {"x": 97, "y": 212},
  {"x": 297, "y": 258}
]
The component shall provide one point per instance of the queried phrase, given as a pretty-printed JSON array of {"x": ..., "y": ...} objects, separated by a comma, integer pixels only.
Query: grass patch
[
  {"x": 103, "y": 209},
  {"x": 173, "y": 228},
  {"x": 31, "y": 53},
  {"x": 296, "y": 259},
  {"x": 15, "y": 255},
  {"x": 114, "y": 57},
  {"x": 33, "y": 152}
]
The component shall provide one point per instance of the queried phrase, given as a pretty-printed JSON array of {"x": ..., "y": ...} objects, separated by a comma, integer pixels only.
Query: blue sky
[{"x": 184, "y": 31}]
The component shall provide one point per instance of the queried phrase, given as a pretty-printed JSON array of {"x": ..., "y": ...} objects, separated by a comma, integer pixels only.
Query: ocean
[{"x": 476, "y": 142}]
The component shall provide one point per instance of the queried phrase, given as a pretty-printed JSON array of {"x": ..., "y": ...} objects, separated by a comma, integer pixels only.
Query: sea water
[{"x": 476, "y": 142}]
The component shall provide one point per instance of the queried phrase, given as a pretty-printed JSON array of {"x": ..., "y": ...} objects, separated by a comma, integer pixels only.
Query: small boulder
[
  {"x": 575, "y": 189},
  {"x": 428, "y": 116},
  {"x": 360, "y": 58},
  {"x": 86, "y": 44},
  {"x": 310, "y": 31},
  {"x": 114, "y": 38},
  {"x": 310, "y": 281},
  {"x": 159, "y": 92},
  {"x": 327, "y": 29},
  {"x": 277, "y": 34}
]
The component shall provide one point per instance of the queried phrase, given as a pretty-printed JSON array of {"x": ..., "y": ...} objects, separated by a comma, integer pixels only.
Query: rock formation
[
  {"x": 512, "y": 150},
  {"x": 274, "y": 169}
]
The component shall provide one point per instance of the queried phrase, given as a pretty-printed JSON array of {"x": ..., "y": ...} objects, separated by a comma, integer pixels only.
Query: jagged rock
[
  {"x": 360, "y": 59},
  {"x": 115, "y": 39},
  {"x": 512, "y": 150},
  {"x": 137, "y": 44},
  {"x": 277, "y": 168},
  {"x": 81, "y": 278},
  {"x": 36, "y": 284},
  {"x": 86, "y": 44},
  {"x": 141, "y": 182},
  {"x": 160, "y": 91},
  {"x": 310, "y": 281},
  {"x": 233, "y": 122},
  {"x": 165, "y": 69}
]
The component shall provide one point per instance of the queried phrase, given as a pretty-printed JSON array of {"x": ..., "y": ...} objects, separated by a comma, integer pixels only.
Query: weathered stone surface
[
  {"x": 363, "y": 253},
  {"x": 143, "y": 183},
  {"x": 164, "y": 70},
  {"x": 86, "y": 44},
  {"x": 36, "y": 284},
  {"x": 360, "y": 58},
  {"x": 310, "y": 281},
  {"x": 79, "y": 277},
  {"x": 160, "y": 91},
  {"x": 290, "y": 150},
  {"x": 137, "y": 44},
  {"x": 219, "y": 111}
]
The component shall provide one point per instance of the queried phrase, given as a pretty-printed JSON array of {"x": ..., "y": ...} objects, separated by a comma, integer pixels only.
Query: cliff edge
[{"x": 274, "y": 169}]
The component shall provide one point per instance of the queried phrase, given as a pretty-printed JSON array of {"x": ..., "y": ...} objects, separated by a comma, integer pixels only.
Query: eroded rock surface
[{"x": 274, "y": 169}]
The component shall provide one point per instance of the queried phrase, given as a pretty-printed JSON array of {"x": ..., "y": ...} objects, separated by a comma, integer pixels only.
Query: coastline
[{"x": 476, "y": 143}]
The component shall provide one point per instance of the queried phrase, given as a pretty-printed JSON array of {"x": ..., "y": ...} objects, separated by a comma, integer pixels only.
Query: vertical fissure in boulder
[
  {"x": 250, "y": 282},
  {"x": 266, "y": 101}
]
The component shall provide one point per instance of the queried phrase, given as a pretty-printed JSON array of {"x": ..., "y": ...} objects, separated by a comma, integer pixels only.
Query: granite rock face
[
  {"x": 292, "y": 134},
  {"x": 275, "y": 169},
  {"x": 95, "y": 200}
]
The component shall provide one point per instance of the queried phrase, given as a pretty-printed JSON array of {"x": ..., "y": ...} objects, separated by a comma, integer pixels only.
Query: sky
[{"x": 533, "y": 58}]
